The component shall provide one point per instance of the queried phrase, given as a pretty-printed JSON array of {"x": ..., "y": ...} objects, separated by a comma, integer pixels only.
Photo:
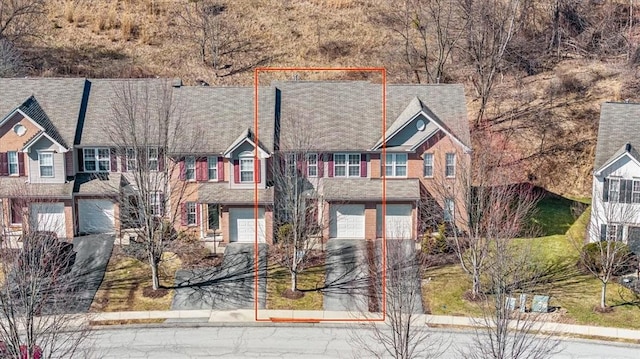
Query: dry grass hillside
[{"x": 548, "y": 116}]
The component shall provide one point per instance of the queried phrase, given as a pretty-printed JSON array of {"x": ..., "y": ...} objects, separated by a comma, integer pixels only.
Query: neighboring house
[
  {"x": 38, "y": 120},
  {"x": 340, "y": 124},
  {"x": 615, "y": 213}
]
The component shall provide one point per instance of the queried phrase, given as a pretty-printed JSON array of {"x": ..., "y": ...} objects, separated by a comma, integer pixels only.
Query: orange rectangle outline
[{"x": 256, "y": 74}]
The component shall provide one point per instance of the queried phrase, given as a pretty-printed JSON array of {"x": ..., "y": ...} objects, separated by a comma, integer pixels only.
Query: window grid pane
[
  {"x": 450, "y": 165},
  {"x": 13, "y": 163},
  {"x": 213, "y": 167},
  {"x": 428, "y": 165},
  {"x": 153, "y": 159}
]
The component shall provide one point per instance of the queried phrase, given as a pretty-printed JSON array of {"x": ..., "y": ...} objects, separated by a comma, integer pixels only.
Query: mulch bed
[
  {"x": 148, "y": 292},
  {"x": 290, "y": 294}
]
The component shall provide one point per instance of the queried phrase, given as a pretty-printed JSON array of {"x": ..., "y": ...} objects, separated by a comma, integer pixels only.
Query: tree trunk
[
  {"x": 603, "y": 296},
  {"x": 154, "y": 273},
  {"x": 475, "y": 291},
  {"x": 294, "y": 280}
]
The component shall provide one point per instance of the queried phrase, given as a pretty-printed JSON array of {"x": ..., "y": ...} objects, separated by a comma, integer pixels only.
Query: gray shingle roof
[
  {"x": 219, "y": 192},
  {"x": 224, "y": 113},
  {"x": 97, "y": 184},
  {"x": 345, "y": 189},
  {"x": 59, "y": 98},
  {"x": 16, "y": 186},
  {"x": 348, "y": 115},
  {"x": 32, "y": 108},
  {"x": 619, "y": 125},
  {"x": 126, "y": 95}
]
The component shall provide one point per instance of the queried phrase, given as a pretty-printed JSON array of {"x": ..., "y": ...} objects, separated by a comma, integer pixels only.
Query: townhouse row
[{"x": 62, "y": 170}]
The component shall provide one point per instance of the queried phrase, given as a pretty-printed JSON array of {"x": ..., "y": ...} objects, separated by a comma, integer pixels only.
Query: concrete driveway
[
  {"x": 354, "y": 276},
  {"x": 231, "y": 286},
  {"x": 92, "y": 256},
  {"x": 346, "y": 277}
]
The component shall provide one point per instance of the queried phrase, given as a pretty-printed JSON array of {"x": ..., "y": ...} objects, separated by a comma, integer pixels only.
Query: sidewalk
[{"x": 247, "y": 317}]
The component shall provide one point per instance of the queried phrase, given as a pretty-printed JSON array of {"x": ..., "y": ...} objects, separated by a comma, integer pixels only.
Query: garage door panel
[
  {"x": 96, "y": 216},
  {"x": 243, "y": 225},
  {"x": 49, "y": 217},
  {"x": 399, "y": 221},
  {"x": 347, "y": 221}
]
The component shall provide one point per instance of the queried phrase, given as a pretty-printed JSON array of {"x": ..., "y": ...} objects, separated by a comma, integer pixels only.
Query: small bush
[
  {"x": 136, "y": 250},
  {"x": 285, "y": 233}
]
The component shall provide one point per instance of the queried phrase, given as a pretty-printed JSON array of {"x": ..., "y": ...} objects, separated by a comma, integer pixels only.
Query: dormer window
[{"x": 246, "y": 167}]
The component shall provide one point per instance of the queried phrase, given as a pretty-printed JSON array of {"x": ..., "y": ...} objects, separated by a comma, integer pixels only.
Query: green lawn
[
  {"x": 574, "y": 293},
  {"x": 278, "y": 280},
  {"x": 554, "y": 215}
]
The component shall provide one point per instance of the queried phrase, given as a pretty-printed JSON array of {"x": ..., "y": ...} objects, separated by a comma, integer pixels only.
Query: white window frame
[
  {"x": 346, "y": 164},
  {"x": 13, "y": 163},
  {"x": 212, "y": 168},
  {"x": 312, "y": 165},
  {"x": 612, "y": 232},
  {"x": 190, "y": 168},
  {"x": 427, "y": 164},
  {"x": 152, "y": 160},
  {"x": 131, "y": 155},
  {"x": 615, "y": 190},
  {"x": 96, "y": 159},
  {"x": 247, "y": 168},
  {"x": 155, "y": 204},
  {"x": 450, "y": 165},
  {"x": 192, "y": 213},
  {"x": 449, "y": 210},
  {"x": 393, "y": 166},
  {"x": 41, "y": 156},
  {"x": 635, "y": 191}
]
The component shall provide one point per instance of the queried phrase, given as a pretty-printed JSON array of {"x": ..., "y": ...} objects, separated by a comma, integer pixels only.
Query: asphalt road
[{"x": 289, "y": 342}]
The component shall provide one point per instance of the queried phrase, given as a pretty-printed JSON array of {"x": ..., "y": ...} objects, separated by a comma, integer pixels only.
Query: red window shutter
[
  {"x": 183, "y": 214},
  {"x": 200, "y": 164},
  {"x": 220, "y": 169},
  {"x": 4, "y": 164},
  {"x": 363, "y": 165},
  {"x": 80, "y": 160},
  {"x": 161, "y": 203},
  {"x": 161, "y": 159},
  {"x": 330, "y": 165},
  {"x": 123, "y": 161},
  {"x": 198, "y": 213},
  {"x": 21, "y": 164},
  {"x": 258, "y": 175},
  {"x": 320, "y": 165},
  {"x": 181, "y": 167},
  {"x": 113, "y": 158},
  {"x": 236, "y": 171}
]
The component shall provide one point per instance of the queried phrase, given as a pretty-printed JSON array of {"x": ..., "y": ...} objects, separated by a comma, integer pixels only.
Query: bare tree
[
  {"x": 219, "y": 38},
  {"x": 404, "y": 333},
  {"x": 428, "y": 30},
  {"x": 10, "y": 59},
  {"x": 484, "y": 206},
  {"x": 37, "y": 285},
  {"x": 490, "y": 26},
  {"x": 298, "y": 219},
  {"x": 146, "y": 128},
  {"x": 503, "y": 331},
  {"x": 19, "y": 18},
  {"x": 607, "y": 256}
]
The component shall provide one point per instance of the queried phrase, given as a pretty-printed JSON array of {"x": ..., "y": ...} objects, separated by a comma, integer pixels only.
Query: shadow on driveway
[
  {"x": 230, "y": 286},
  {"x": 92, "y": 256}
]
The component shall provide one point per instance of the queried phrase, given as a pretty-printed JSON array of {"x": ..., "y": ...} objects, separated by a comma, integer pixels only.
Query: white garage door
[
  {"x": 398, "y": 224},
  {"x": 243, "y": 225},
  {"x": 95, "y": 216},
  {"x": 48, "y": 217},
  {"x": 347, "y": 221}
]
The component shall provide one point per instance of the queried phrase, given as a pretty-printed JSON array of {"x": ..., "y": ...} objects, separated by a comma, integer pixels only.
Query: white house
[{"x": 615, "y": 212}]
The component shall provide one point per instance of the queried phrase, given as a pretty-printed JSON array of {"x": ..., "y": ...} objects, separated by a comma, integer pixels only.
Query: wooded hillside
[{"x": 535, "y": 71}]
